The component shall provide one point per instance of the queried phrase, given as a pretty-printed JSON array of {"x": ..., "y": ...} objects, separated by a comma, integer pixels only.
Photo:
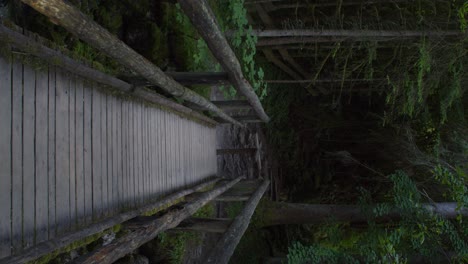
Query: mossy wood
[
  {"x": 203, "y": 19},
  {"x": 58, "y": 243},
  {"x": 128, "y": 243},
  {"x": 225, "y": 247},
  {"x": 53, "y": 57},
  {"x": 73, "y": 20}
]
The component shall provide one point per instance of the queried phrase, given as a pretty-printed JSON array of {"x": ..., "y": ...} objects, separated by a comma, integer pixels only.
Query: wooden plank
[
  {"x": 72, "y": 149},
  {"x": 62, "y": 153},
  {"x": 79, "y": 153},
  {"x": 123, "y": 127},
  {"x": 109, "y": 150},
  {"x": 29, "y": 90},
  {"x": 145, "y": 153},
  {"x": 17, "y": 157},
  {"x": 41, "y": 188},
  {"x": 104, "y": 151},
  {"x": 110, "y": 154},
  {"x": 139, "y": 160},
  {"x": 96, "y": 154},
  {"x": 51, "y": 173},
  {"x": 88, "y": 150},
  {"x": 120, "y": 170},
  {"x": 133, "y": 178},
  {"x": 165, "y": 132},
  {"x": 5, "y": 156},
  {"x": 115, "y": 162},
  {"x": 152, "y": 151}
]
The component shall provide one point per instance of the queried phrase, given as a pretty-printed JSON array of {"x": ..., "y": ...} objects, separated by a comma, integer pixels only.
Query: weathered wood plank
[
  {"x": 88, "y": 151},
  {"x": 29, "y": 90},
  {"x": 79, "y": 153},
  {"x": 62, "y": 153},
  {"x": 124, "y": 153},
  {"x": 119, "y": 167},
  {"x": 17, "y": 157},
  {"x": 96, "y": 154},
  {"x": 133, "y": 138},
  {"x": 104, "y": 151},
  {"x": 72, "y": 149},
  {"x": 41, "y": 188},
  {"x": 5, "y": 156},
  {"x": 51, "y": 121}
]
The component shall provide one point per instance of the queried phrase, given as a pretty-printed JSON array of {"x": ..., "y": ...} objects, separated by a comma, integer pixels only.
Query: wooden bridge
[{"x": 82, "y": 151}]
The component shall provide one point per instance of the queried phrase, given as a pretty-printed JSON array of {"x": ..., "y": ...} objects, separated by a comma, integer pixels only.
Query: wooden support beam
[
  {"x": 128, "y": 243},
  {"x": 68, "y": 16},
  {"x": 225, "y": 247},
  {"x": 232, "y": 198},
  {"x": 204, "y": 21},
  {"x": 210, "y": 225},
  {"x": 65, "y": 240},
  {"x": 236, "y": 151}
]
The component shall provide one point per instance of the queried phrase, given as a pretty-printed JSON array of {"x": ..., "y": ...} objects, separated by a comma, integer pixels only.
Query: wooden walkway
[{"x": 71, "y": 154}]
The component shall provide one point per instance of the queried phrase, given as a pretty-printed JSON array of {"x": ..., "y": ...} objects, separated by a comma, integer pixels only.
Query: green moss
[
  {"x": 159, "y": 51},
  {"x": 206, "y": 211},
  {"x": 76, "y": 245},
  {"x": 164, "y": 207}
]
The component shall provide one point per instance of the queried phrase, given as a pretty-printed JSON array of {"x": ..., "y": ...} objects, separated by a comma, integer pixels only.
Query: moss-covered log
[
  {"x": 73, "y": 20},
  {"x": 203, "y": 19},
  {"x": 126, "y": 244}
]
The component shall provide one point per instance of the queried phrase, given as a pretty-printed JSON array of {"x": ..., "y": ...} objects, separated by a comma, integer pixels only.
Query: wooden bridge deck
[{"x": 71, "y": 154}]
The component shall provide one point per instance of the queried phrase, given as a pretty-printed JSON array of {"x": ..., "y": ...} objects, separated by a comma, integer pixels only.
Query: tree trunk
[
  {"x": 276, "y": 213},
  {"x": 204, "y": 21},
  {"x": 86, "y": 29},
  {"x": 353, "y": 33}
]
